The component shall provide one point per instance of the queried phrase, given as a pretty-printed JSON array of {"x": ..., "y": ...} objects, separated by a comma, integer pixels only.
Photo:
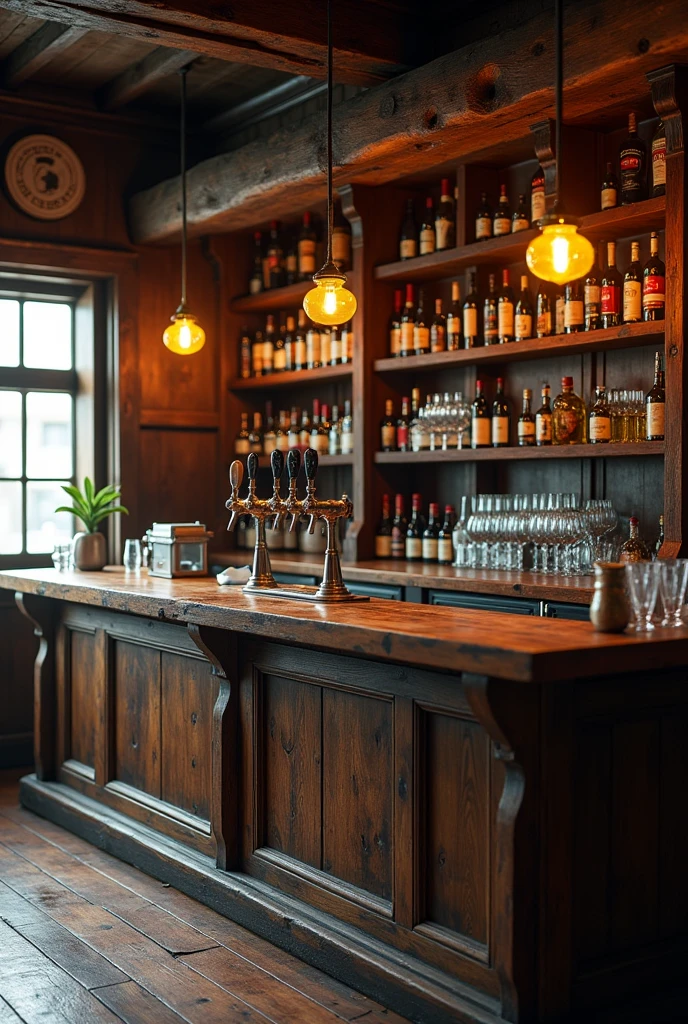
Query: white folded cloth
[{"x": 234, "y": 577}]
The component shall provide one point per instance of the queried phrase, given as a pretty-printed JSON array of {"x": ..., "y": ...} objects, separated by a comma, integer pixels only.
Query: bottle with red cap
[
  {"x": 403, "y": 427},
  {"x": 399, "y": 525},
  {"x": 445, "y": 219},
  {"x": 431, "y": 534},
  {"x": 445, "y": 544},
  {"x": 568, "y": 415},
  {"x": 414, "y": 531},
  {"x": 426, "y": 237}
]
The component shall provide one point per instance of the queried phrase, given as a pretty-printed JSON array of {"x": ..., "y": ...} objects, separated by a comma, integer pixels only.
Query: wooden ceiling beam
[
  {"x": 371, "y": 36},
  {"x": 37, "y": 51},
  {"x": 140, "y": 77},
  {"x": 485, "y": 94}
]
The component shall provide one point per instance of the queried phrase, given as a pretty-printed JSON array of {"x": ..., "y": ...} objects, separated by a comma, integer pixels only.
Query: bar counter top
[{"x": 507, "y": 646}]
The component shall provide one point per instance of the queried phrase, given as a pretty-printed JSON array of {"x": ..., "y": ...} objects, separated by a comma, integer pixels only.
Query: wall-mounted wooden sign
[{"x": 44, "y": 177}]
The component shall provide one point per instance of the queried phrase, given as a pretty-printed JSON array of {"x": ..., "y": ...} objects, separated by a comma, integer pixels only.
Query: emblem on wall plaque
[{"x": 44, "y": 177}]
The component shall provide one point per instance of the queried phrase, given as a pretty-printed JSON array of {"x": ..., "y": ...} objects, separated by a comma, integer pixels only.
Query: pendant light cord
[
  {"x": 558, "y": 90},
  {"x": 183, "y": 73},
  {"x": 330, "y": 205}
]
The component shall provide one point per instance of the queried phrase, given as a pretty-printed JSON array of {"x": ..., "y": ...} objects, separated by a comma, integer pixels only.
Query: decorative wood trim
[
  {"x": 406, "y": 804},
  {"x": 41, "y": 615}
]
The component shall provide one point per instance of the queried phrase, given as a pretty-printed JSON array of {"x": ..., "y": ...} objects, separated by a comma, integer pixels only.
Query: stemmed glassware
[
  {"x": 673, "y": 579},
  {"x": 643, "y": 584}
]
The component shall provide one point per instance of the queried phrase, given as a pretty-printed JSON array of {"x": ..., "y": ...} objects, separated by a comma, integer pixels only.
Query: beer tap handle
[
  {"x": 277, "y": 464},
  {"x": 293, "y": 463},
  {"x": 310, "y": 462},
  {"x": 252, "y": 466},
  {"x": 236, "y": 475}
]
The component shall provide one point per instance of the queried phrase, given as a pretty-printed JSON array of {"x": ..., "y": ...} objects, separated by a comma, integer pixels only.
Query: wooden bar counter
[{"x": 470, "y": 816}]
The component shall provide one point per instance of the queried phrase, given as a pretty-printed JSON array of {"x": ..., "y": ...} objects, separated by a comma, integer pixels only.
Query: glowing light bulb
[
  {"x": 559, "y": 253},
  {"x": 184, "y": 336},
  {"x": 330, "y": 303}
]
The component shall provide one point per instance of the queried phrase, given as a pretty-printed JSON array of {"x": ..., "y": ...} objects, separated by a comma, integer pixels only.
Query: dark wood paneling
[
  {"x": 86, "y": 697},
  {"x": 137, "y": 716},
  {"x": 592, "y": 864},
  {"x": 180, "y": 471},
  {"x": 292, "y": 755},
  {"x": 357, "y": 790},
  {"x": 18, "y": 648},
  {"x": 188, "y": 696},
  {"x": 673, "y": 816}
]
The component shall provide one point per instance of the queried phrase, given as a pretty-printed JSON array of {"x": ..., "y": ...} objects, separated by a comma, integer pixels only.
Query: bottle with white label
[
  {"x": 242, "y": 445},
  {"x": 599, "y": 418},
  {"x": 609, "y": 193},
  {"x": 501, "y": 418},
  {"x": 426, "y": 236},
  {"x": 523, "y": 318},
  {"x": 413, "y": 548},
  {"x": 313, "y": 350},
  {"x": 431, "y": 534},
  {"x": 480, "y": 419},
  {"x": 574, "y": 312},
  {"x": 538, "y": 202},
  {"x": 543, "y": 419},
  {"x": 632, "y": 288},
  {"x": 501, "y": 222},
  {"x": 526, "y": 422},
  {"x": 408, "y": 238},
  {"x": 445, "y": 546},
  {"x": 505, "y": 311},
  {"x": 655, "y": 404},
  {"x": 519, "y": 220},
  {"x": 470, "y": 315},
  {"x": 383, "y": 534},
  {"x": 559, "y": 303},
  {"x": 483, "y": 220},
  {"x": 454, "y": 319},
  {"x": 346, "y": 435}
]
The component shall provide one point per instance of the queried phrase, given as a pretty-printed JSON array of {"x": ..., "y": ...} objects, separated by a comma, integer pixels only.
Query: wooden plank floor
[{"x": 85, "y": 939}]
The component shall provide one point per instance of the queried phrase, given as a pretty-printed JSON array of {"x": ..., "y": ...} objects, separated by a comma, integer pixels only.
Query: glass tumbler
[
  {"x": 643, "y": 585},
  {"x": 673, "y": 579},
  {"x": 132, "y": 555}
]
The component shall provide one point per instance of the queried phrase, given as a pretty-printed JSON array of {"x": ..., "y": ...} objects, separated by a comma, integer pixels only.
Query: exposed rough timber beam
[
  {"x": 288, "y": 36},
  {"x": 37, "y": 51},
  {"x": 486, "y": 93},
  {"x": 137, "y": 79}
]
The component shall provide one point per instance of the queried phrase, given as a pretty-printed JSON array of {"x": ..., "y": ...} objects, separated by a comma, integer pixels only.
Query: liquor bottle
[
  {"x": 470, "y": 315},
  {"x": 348, "y": 342},
  {"x": 407, "y": 324},
  {"x": 660, "y": 538},
  {"x": 490, "y": 320},
  {"x": 568, "y": 415},
  {"x": 257, "y": 354},
  {"x": 655, "y": 404},
  {"x": 592, "y": 305},
  {"x": 634, "y": 549},
  {"x": 438, "y": 329},
  {"x": 611, "y": 290},
  {"x": 402, "y": 435},
  {"x": 313, "y": 349},
  {"x": 282, "y": 432},
  {"x": 300, "y": 347},
  {"x": 480, "y": 419},
  {"x": 305, "y": 430},
  {"x": 419, "y": 439},
  {"x": 454, "y": 319},
  {"x": 632, "y": 165},
  {"x": 505, "y": 311},
  {"x": 543, "y": 312},
  {"x": 255, "y": 284},
  {"x": 255, "y": 437},
  {"x": 632, "y": 288},
  {"x": 395, "y": 324},
  {"x": 388, "y": 429},
  {"x": 483, "y": 219},
  {"x": 445, "y": 219},
  {"x": 501, "y": 222},
  {"x": 413, "y": 548},
  {"x": 242, "y": 444},
  {"x": 291, "y": 260},
  {"x": 335, "y": 346},
  {"x": 658, "y": 150},
  {"x": 276, "y": 256},
  {"x": 421, "y": 329},
  {"x": 523, "y": 318},
  {"x": 269, "y": 345},
  {"x": 543, "y": 419},
  {"x": 334, "y": 443},
  {"x": 653, "y": 283},
  {"x": 269, "y": 435},
  {"x": 399, "y": 525},
  {"x": 574, "y": 315},
  {"x": 325, "y": 345},
  {"x": 599, "y": 419},
  {"x": 526, "y": 422},
  {"x": 383, "y": 533},
  {"x": 519, "y": 220},
  {"x": 559, "y": 303},
  {"x": 290, "y": 344},
  {"x": 408, "y": 238},
  {"x": 501, "y": 418},
  {"x": 431, "y": 532},
  {"x": 279, "y": 355},
  {"x": 306, "y": 248},
  {"x": 245, "y": 354},
  {"x": 341, "y": 240},
  {"x": 445, "y": 546},
  {"x": 609, "y": 193},
  {"x": 426, "y": 238},
  {"x": 294, "y": 432},
  {"x": 346, "y": 440},
  {"x": 320, "y": 432},
  {"x": 538, "y": 201}
]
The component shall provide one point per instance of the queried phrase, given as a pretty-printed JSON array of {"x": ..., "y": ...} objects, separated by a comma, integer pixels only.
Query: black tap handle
[
  {"x": 277, "y": 463},
  {"x": 252, "y": 465},
  {"x": 293, "y": 463},
  {"x": 310, "y": 462}
]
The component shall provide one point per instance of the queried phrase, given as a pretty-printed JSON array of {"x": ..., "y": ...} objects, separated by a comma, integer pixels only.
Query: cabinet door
[
  {"x": 376, "y": 590},
  {"x": 484, "y": 602},
  {"x": 562, "y": 610}
]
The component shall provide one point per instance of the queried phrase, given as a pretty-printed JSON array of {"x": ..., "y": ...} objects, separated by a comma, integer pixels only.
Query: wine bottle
[
  {"x": 241, "y": 442},
  {"x": 632, "y": 288},
  {"x": 519, "y": 220},
  {"x": 290, "y": 344},
  {"x": 559, "y": 305},
  {"x": 543, "y": 312},
  {"x": 655, "y": 404},
  {"x": 445, "y": 219},
  {"x": 399, "y": 525},
  {"x": 282, "y": 433},
  {"x": 574, "y": 318},
  {"x": 523, "y": 318},
  {"x": 483, "y": 219},
  {"x": 480, "y": 419},
  {"x": 291, "y": 260},
  {"x": 306, "y": 248},
  {"x": 300, "y": 348},
  {"x": 313, "y": 347},
  {"x": 421, "y": 329},
  {"x": 276, "y": 256},
  {"x": 592, "y": 307},
  {"x": 383, "y": 533},
  {"x": 320, "y": 434},
  {"x": 402, "y": 434},
  {"x": 279, "y": 355},
  {"x": 470, "y": 315},
  {"x": 632, "y": 165},
  {"x": 305, "y": 429},
  {"x": 256, "y": 283},
  {"x": 395, "y": 324},
  {"x": 658, "y": 150},
  {"x": 426, "y": 237},
  {"x": 407, "y": 324},
  {"x": 408, "y": 238},
  {"x": 611, "y": 290},
  {"x": 543, "y": 419},
  {"x": 341, "y": 240},
  {"x": 568, "y": 415},
  {"x": 609, "y": 193},
  {"x": 438, "y": 329},
  {"x": 430, "y": 540},
  {"x": 505, "y": 311},
  {"x": 653, "y": 283},
  {"x": 414, "y": 531},
  {"x": 255, "y": 437},
  {"x": 454, "y": 319},
  {"x": 445, "y": 545},
  {"x": 346, "y": 436},
  {"x": 388, "y": 428},
  {"x": 501, "y": 418},
  {"x": 294, "y": 431},
  {"x": 490, "y": 319},
  {"x": 599, "y": 418},
  {"x": 348, "y": 342},
  {"x": 526, "y": 422},
  {"x": 325, "y": 345},
  {"x": 335, "y": 346},
  {"x": 269, "y": 435},
  {"x": 245, "y": 354},
  {"x": 501, "y": 222},
  {"x": 538, "y": 201},
  {"x": 269, "y": 345},
  {"x": 634, "y": 549}
]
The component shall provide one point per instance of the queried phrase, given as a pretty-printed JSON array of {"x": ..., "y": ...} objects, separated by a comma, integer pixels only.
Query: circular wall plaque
[{"x": 44, "y": 177}]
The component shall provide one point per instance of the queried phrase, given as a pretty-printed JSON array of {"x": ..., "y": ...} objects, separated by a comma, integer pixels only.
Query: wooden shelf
[
  {"x": 285, "y": 298},
  {"x": 572, "y": 451},
  {"x": 621, "y": 221},
  {"x": 292, "y": 377},
  {"x": 626, "y": 336}
]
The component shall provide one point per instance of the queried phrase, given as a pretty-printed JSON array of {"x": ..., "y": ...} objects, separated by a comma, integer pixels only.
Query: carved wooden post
[
  {"x": 670, "y": 97},
  {"x": 40, "y": 614}
]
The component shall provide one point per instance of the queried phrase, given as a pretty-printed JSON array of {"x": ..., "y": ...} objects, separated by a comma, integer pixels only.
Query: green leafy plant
[{"x": 91, "y": 507}]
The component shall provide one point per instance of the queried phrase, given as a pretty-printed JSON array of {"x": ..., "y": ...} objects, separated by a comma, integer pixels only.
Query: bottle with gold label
[
  {"x": 655, "y": 404},
  {"x": 395, "y": 324},
  {"x": 408, "y": 238},
  {"x": 388, "y": 428},
  {"x": 635, "y": 549},
  {"x": 501, "y": 417},
  {"x": 599, "y": 421},
  {"x": 568, "y": 415},
  {"x": 406, "y": 324},
  {"x": 426, "y": 236},
  {"x": 421, "y": 328},
  {"x": 632, "y": 288},
  {"x": 526, "y": 422},
  {"x": 659, "y": 161},
  {"x": 543, "y": 419},
  {"x": 480, "y": 419},
  {"x": 341, "y": 240}
]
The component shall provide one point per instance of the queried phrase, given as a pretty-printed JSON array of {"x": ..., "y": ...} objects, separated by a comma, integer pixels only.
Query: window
[{"x": 38, "y": 385}]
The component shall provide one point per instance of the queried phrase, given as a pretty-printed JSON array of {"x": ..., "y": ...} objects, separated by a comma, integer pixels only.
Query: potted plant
[{"x": 89, "y": 549}]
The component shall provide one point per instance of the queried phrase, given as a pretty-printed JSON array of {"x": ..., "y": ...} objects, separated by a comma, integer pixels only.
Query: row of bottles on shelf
[
  {"x": 284, "y": 257},
  {"x": 437, "y": 229},
  {"x": 416, "y": 539},
  {"x": 449, "y": 422},
  {"x": 291, "y": 344},
  {"x": 603, "y": 299},
  {"x": 297, "y": 429}
]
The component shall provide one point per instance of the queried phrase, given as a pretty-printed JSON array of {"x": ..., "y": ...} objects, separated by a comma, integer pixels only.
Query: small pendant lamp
[
  {"x": 329, "y": 303},
  {"x": 184, "y": 336},
  {"x": 559, "y": 253}
]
